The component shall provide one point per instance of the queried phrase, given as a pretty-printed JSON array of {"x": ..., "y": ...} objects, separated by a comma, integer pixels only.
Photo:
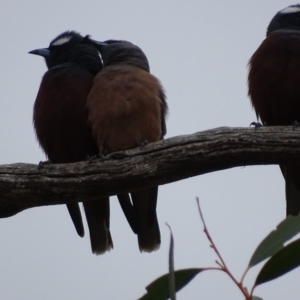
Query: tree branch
[{"x": 24, "y": 185}]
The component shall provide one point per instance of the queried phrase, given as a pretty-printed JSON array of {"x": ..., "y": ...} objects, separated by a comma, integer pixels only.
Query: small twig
[
  {"x": 252, "y": 290},
  {"x": 218, "y": 263},
  {"x": 223, "y": 266},
  {"x": 244, "y": 274}
]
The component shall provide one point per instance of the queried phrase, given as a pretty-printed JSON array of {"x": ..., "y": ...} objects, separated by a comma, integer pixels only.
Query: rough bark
[{"x": 25, "y": 185}]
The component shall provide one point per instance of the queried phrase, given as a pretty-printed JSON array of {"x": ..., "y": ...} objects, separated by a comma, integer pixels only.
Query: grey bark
[{"x": 24, "y": 186}]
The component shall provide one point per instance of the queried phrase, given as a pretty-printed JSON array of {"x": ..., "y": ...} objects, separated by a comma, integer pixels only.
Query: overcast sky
[{"x": 199, "y": 50}]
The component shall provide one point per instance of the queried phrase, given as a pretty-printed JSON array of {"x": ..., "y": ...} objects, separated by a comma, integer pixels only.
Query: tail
[
  {"x": 97, "y": 216},
  {"x": 144, "y": 203},
  {"x": 75, "y": 214},
  {"x": 128, "y": 210},
  {"x": 291, "y": 174}
]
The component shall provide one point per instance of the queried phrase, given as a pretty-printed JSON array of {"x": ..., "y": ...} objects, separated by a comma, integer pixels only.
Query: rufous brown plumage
[
  {"x": 83, "y": 110},
  {"x": 61, "y": 121},
  {"x": 127, "y": 108},
  {"x": 274, "y": 89}
]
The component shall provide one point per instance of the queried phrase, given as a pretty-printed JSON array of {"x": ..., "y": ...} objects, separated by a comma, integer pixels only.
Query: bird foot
[
  {"x": 256, "y": 124},
  {"x": 295, "y": 124},
  {"x": 42, "y": 164},
  {"x": 117, "y": 155},
  {"x": 143, "y": 143},
  {"x": 93, "y": 158}
]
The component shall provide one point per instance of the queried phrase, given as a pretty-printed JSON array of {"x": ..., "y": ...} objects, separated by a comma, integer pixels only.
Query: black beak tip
[{"x": 44, "y": 52}]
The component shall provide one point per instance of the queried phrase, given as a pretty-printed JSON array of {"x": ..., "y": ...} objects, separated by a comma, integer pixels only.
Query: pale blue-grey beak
[{"x": 45, "y": 52}]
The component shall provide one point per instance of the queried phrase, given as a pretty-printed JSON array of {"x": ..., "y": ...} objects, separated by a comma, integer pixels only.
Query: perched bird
[
  {"x": 274, "y": 86},
  {"x": 127, "y": 108},
  {"x": 60, "y": 120}
]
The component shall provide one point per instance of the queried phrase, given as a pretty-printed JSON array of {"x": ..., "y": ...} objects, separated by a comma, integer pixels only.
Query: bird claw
[
  {"x": 92, "y": 158},
  {"x": 295, "y": 124},
  {"x": 143, "y": 143},
  {"x": 42, "y": 164},
  {"x": 117, "y": 155},
  {"x": 256, "y": 124}
]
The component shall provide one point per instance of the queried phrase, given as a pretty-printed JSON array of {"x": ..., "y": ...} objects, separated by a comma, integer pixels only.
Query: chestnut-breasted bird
[
  {"x": 61, "y": 120},
  {"x": 274, "y": 86},
  {"x": 127, "y": 108}
]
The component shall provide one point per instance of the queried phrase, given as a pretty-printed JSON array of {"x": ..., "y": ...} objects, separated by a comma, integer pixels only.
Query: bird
[
  {"x": 274, "y": 89},
  {"x": 127, "y": 109},
  {"x": 60, "y": 118}
]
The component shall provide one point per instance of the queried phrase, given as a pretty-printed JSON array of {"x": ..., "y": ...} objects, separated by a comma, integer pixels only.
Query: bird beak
[{"x": 45, "y": 52}]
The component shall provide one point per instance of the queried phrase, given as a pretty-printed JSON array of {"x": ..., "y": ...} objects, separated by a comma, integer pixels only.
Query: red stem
[{"x": 222, "y": 264}]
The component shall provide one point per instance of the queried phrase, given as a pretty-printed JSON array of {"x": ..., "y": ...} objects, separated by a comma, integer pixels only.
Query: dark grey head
[
  {"x": 71, "y": 47},
  {"x": 115, "y": 52},
  {"x": 286, "y": 19}
]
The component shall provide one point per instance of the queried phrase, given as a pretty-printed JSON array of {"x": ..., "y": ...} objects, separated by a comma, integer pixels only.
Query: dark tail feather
[
  {"x": 97, "y": 216},
  {"x": 128, "y": 210},
  {"x": 148, "y": 229},
  {"x": 75, "y": 214},
  {"x": 291, "y": 174}
]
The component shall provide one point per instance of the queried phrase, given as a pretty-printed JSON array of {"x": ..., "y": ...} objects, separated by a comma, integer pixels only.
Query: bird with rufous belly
[
  {"x": 127, "y": 108},
  {"x": 274, "y": 86},
  {"x": 61, "y": 121}
]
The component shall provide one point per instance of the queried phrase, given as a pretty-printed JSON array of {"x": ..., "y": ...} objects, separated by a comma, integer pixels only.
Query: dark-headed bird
[
  {"x": 127, "y": 108},
  {"x": 274, "y": 86},
  {"x": 61, "y": 121}
]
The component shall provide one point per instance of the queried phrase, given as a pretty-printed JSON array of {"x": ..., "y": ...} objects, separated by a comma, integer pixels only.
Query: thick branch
[{"x": 24, "y": 185}]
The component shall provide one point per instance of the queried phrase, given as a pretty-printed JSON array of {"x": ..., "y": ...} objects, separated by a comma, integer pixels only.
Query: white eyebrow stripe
[
  {"x": 290, "y": 9},
  {"x": 61, "y": 41}
]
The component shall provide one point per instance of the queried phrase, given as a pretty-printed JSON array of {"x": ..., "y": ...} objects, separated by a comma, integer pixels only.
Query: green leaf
[
  {"x": 256, "y": 298},
  {"x": 172, "y": 285},
  {"x": 274, "y": 241},
  {"x": 159, "y": 288},
  {"x": 281, "y": 263}
]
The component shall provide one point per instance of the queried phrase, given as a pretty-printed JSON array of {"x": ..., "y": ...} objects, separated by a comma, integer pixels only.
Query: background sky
[{"x": 199, "y": 50}]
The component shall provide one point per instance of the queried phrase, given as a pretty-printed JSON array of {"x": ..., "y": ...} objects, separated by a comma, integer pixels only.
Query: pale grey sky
[{"x": 199, "y": 50}]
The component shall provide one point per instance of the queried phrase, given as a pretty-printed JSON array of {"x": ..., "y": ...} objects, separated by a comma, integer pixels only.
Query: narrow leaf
[
  {"x": 274, "y": 241},
  {"x": 172, "y": 287},
  {"x": 281, "y": 263},
  {"x": 159, "y": 288}
]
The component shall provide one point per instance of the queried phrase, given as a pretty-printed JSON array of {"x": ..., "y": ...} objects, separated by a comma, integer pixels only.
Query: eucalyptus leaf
[
  {"x": 275, "y": 240},
  {"x": 159, "y": 288},
  {"x": 284, "y": 261},
  {"x": 172, "y": 285}
]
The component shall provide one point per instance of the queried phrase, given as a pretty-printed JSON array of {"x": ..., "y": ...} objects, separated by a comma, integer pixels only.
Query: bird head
[
  {"x": 71, "y": 47},
  {"x": 287, "y": 19},
  {"x": 122, "y": 52}
]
